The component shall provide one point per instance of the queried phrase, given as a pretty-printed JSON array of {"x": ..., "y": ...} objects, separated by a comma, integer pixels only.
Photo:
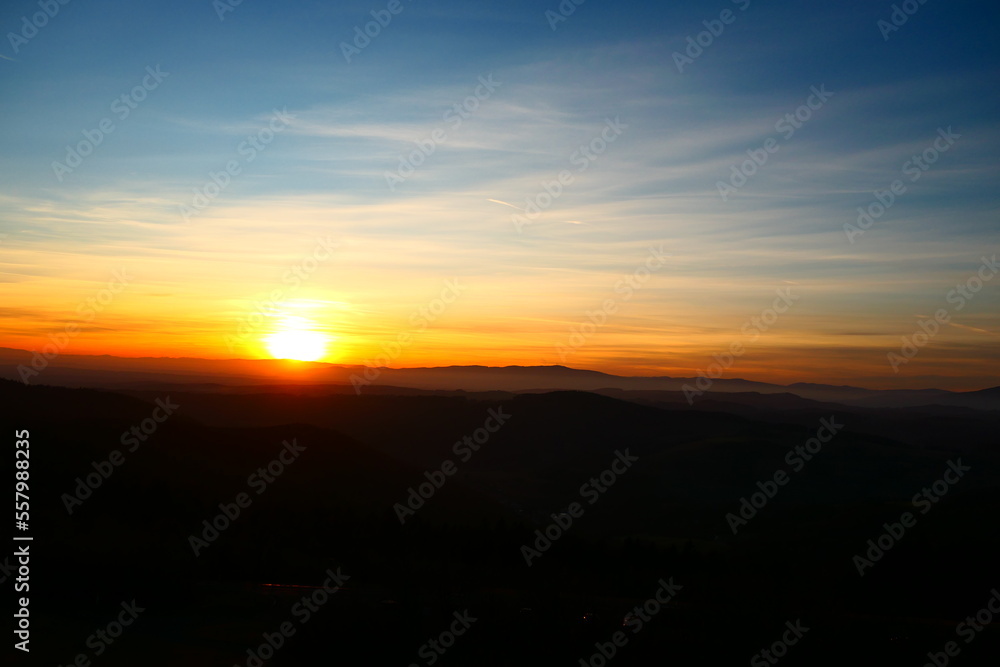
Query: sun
[
  {"x": 298, "y": 345},
  {"x": 296, "y": 340}
]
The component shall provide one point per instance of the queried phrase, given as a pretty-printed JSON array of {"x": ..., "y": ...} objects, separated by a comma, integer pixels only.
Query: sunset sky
[{"x": 312, "y": 230}]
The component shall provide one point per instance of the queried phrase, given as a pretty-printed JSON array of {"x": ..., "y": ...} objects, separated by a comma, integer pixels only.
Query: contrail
[
  {"x": 497, "y": 201},
  {"x": 976, "y": 329}
]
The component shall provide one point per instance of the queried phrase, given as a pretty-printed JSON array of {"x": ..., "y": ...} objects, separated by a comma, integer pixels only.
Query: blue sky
[{"x": 656, "y": 184}]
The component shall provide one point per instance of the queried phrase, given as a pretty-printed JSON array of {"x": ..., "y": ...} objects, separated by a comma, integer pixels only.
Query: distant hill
[{"x": 148, "y": 372}]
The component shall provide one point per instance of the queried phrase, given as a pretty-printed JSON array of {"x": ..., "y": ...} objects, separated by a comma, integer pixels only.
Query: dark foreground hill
[{"x": 665, "y": 511}]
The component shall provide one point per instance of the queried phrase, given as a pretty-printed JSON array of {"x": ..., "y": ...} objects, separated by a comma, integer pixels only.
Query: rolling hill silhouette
[{"x": 665, "y": 517}]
